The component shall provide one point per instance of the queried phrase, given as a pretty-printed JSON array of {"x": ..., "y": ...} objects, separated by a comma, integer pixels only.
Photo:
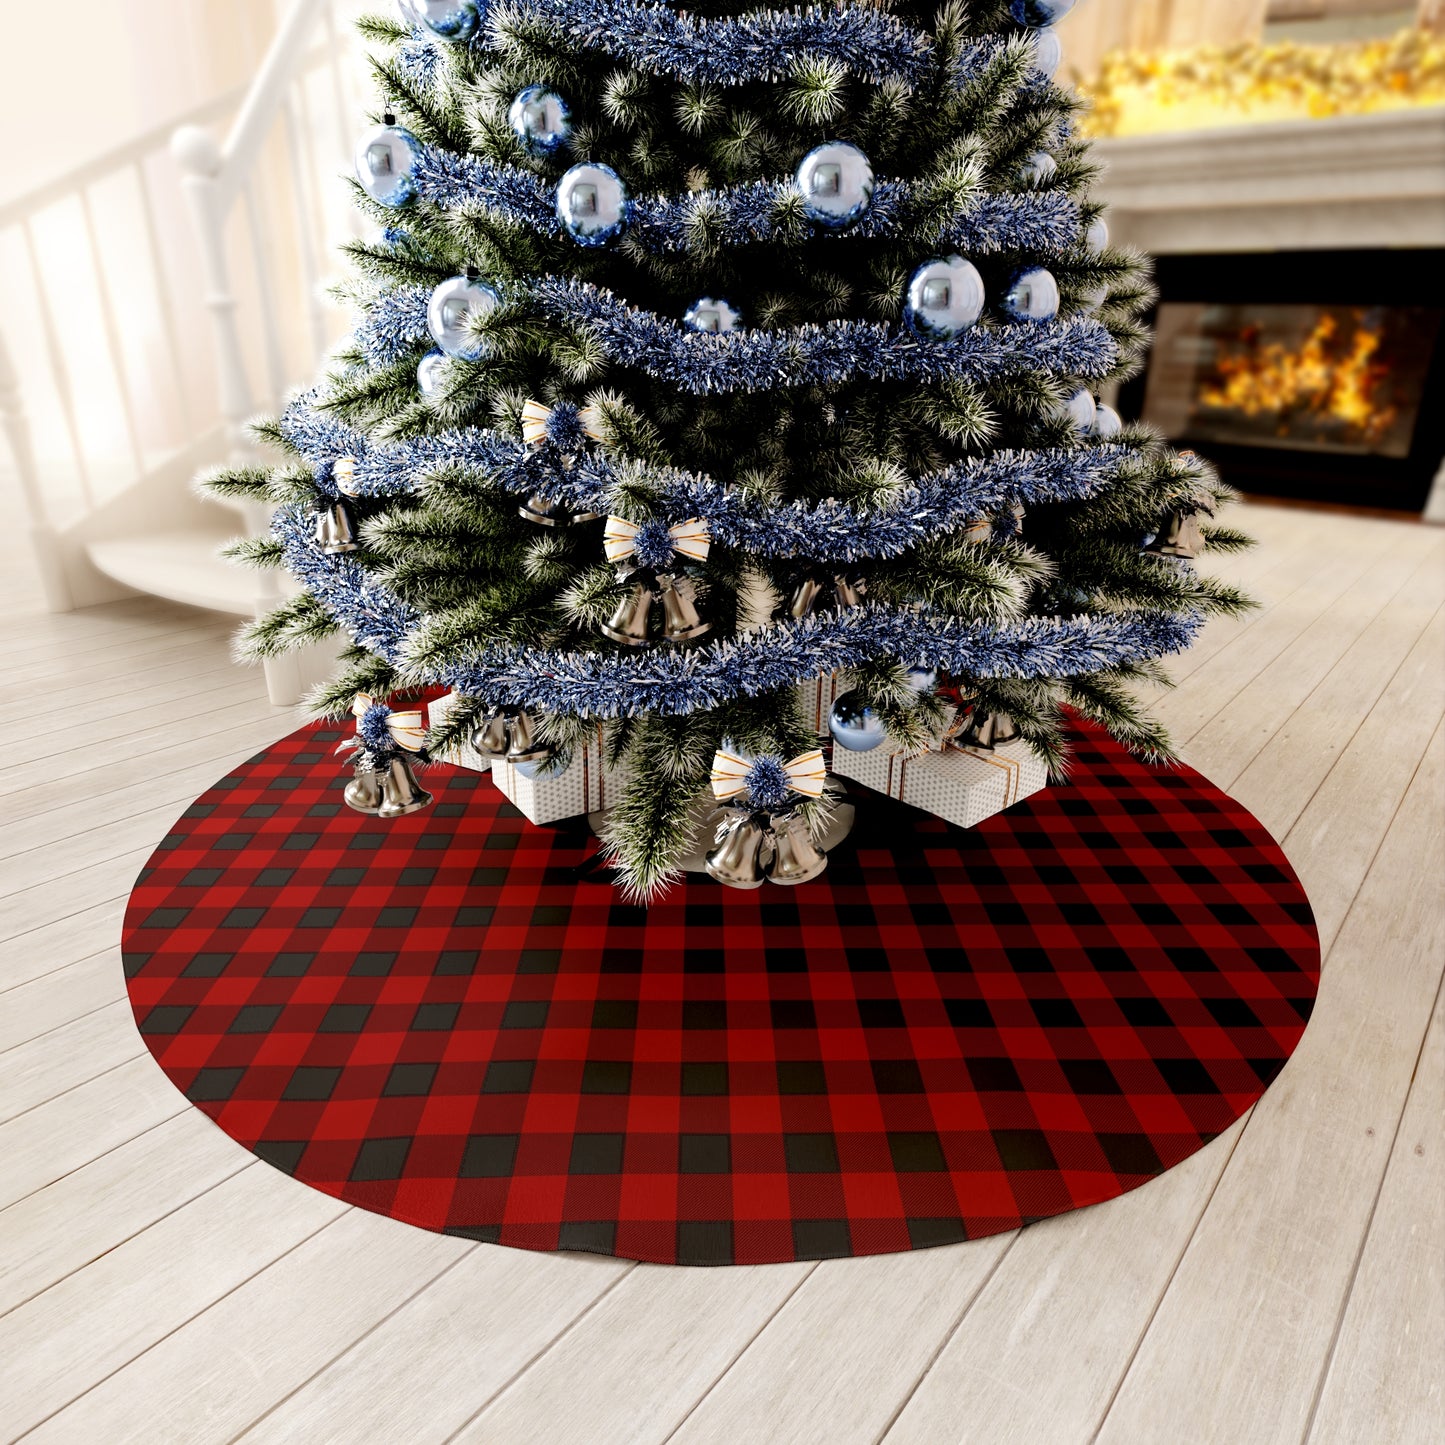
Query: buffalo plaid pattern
[{"x": 455, "y": 1020}]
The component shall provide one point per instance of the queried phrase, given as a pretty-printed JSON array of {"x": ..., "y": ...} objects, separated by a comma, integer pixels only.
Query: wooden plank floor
[{"x": 1286, "y": 1284}]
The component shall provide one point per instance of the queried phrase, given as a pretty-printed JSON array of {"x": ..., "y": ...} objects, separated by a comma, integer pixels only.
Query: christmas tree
[{"x": 704, "y": 353}]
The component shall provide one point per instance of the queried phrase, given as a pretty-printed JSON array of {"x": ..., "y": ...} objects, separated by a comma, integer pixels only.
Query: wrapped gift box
[
  {"x": 960, "y": 785},
  {"x": 586, "y": 787},
  {"x": 817, "y": 696},
  {"x": 464, "y": 755}
]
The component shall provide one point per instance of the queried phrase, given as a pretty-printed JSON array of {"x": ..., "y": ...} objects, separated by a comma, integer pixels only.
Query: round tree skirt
[{"x": 455, "y": 1020}]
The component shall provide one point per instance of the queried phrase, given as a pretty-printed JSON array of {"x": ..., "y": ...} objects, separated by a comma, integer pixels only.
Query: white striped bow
[
  {"x": 689, "y": 539},
  {"x": 536, "y": 415},
  {"x": 407, "y": 729},
  {"x": 807, "y": 774}
]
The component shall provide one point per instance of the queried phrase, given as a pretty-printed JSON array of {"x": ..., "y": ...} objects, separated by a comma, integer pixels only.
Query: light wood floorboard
[{"x": 1285, "y": 1284}]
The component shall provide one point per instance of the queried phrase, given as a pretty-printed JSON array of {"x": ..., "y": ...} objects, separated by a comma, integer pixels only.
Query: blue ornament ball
[
  {"x": 593, "y": 205},
  {"x": 944, "y": 298},
  {"x": 1048, "y": 53},
  {"x": 541, "y": 120},
  {"x": 451, "y": 310},
  {"x": 836, "y": 180},
  {"x": 1107, "y": 422},
  {"x": 431, "y": 373},
  {"x": 1039, "y": 169},
  {"x": 714, "y": 315},
  {"x": 386, "y": 163},
  {"x": 855, "y": 725},
  {"x": 1033, "y": 295},
  {"x": 1039, "y": 12},
  {"x": 449, "y": 19},
  {"x": 1082, "y": 411},
  {"x": 1096, "y": 238}
]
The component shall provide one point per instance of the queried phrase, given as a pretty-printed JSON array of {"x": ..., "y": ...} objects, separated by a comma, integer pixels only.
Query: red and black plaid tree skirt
[{"x": 455, "y": 1021}]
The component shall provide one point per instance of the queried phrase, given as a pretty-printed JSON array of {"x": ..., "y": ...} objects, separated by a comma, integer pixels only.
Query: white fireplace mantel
[{"x": 1350, "y": 182}]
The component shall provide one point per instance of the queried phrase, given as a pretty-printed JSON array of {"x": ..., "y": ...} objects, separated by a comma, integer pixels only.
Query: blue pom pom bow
[
  {"x": 767, "y": 781},
  {"x": 382, "y": 732}
]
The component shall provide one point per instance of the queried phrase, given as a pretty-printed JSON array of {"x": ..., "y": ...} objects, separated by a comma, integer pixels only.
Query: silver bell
[
  {"x": 631, "y": 622},
  {"x": 987, "y": 730},
  {"x": 805, "y": 598},
  {"x": 400, "y": 792},
  {"x": 363, "y": 794},
  {"x": 850, "y": 589},
  {"x": 544, "y": 512},
  {"x": 681, "y": 619},
  {"x": 335, "y": 530},
  {"x": 1181, "y": 534},
  {"x": 493, "y": 738},
  {"x": 796, "y": 857},
  {"x": 524, "y": 747},
  {"x": 734, "y": 859}
]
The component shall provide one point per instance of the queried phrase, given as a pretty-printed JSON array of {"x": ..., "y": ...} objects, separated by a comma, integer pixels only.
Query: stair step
[{"x": 183, "y": 566}]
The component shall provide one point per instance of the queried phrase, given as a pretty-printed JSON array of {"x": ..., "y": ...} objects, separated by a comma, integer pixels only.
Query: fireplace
[{"x": 1310, "y": 374}]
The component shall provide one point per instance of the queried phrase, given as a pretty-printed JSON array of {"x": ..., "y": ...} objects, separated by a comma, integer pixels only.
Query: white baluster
[{"x": 43, "y": 539}]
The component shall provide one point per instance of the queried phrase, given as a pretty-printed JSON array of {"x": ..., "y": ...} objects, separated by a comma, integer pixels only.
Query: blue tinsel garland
[
  {"x": 675, "y": 681},
  {"x": 736, "y": 50},
  {"x": 710, "y": 364},
  {"x": 1042, "y": 223},
  {"x": 830, "y": 530}
]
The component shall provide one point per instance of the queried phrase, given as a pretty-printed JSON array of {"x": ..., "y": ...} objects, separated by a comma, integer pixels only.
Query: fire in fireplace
[
  {"x": 1340, "y": 378},
  {"x": 1310, "y": 374}
]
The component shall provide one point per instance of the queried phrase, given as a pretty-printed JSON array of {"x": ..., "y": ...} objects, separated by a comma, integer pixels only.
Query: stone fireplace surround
[{"x": 1349, "y": 183}]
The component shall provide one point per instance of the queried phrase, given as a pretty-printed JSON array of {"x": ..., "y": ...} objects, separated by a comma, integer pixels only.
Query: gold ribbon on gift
[
  {"x": 407, "y": 729},
  {"x": 690, "y": 539},
  {"x": 807, "y": 774},
  {"x": 536, "y": 415}
]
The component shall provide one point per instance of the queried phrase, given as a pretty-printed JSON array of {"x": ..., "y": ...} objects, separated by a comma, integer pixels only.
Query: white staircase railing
[{"x": 131, "y": 356}]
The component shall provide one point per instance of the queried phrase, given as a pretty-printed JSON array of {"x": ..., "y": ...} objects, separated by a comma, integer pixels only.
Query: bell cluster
[{"x": 753, "y": 847}]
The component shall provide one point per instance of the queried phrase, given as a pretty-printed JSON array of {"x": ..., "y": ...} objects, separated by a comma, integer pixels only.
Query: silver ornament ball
[
  {"x": 944, "y": 298},
  {"x": 1039, "y": 12},
  {"x": 1040, "y": 168},
  {"x": 855, "y": 725},
  {"x": 1096, "y": 237},
  {"x": 541, "y": 120},
  {"x": 836, "y": 180},
  {"x": 431, "y": 373},
  {"x": 923, "y": 679},
  {"x": 1048, "y": 53},
  {"x": 714, "y": 315},
  {"x": 1107, "y": 422},
  {"x": 1082, "y": 411},
  {"x": 450, "y": 314},
  {"x": 593, "y": 205},
  {"x": 386, "y": 162},
  {"x": 449, "y": 19},
  {"x": 1033, "y": 295}
]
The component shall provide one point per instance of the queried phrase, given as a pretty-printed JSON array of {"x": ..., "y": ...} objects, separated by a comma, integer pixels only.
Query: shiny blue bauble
[
  {"x": 836, "y": 180},
  {"x": 449, "y": 19},
  {"x": 714, "y": 315},
  {"x": 1033, "y": 295},
  {"x": 543, "y": 770},
  {"x": 451, "y": 311},
  {"x": 923, "y": 679},
  {"x": 1107, "y": 422},
  {"x": 1039, "y": 169},
  {"x": 386, "y": 162},
  {"x": 855, "y": 725},
  {"x": 541, "y": 120},
  {"x": 593, "y": 205},
  {"x": 431, "y": 373},
  {"x": 944, "y": 298},
  {"x": 1048, "y": 53},
  {"x": 1096, "y": 238},
  {"x": 1039, "y": 12},
  {"x": 1082, "y": 411}
]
